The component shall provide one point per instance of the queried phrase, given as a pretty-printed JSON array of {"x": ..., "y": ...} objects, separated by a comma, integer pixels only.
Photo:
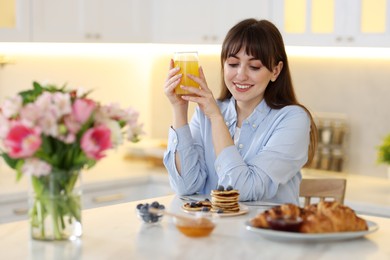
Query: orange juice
[{"x": 188, "y": 63}]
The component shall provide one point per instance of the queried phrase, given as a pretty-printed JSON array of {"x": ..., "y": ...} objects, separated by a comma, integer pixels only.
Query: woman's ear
[{"x": 276, "y": 71}]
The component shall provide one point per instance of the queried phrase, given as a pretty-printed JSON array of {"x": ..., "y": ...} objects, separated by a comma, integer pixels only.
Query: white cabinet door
[
  {"x": 333, "y": 22},
  {"x": 371, "y": 26},
  {"x": 14, "y": 20},
  {"x": 177, "y": 21},
  {"x": 202, "y": 21},
  {"x": 58, "y": 20},
  {"x": 91, "y": 20},
  {"x": 117, "y": 20}
]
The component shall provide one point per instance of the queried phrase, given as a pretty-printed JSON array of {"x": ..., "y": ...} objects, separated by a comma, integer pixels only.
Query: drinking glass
[{"x": 188, "y": 63}]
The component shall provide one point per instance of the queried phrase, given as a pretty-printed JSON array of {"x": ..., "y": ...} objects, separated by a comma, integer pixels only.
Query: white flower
[
  {"x": 30, "y": 114},
  {"x": 36, "y": 167},
  {"x": 116, "y": 133},
  {"x": 62, "y": 104},
  {"x": 48, "y": 124},
  {"x": 12, "y": 106},
  {"x": 44, "y": 101}
]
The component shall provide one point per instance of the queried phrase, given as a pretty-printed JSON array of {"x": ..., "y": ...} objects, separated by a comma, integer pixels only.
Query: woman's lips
[{"x": 242, "y": 87}]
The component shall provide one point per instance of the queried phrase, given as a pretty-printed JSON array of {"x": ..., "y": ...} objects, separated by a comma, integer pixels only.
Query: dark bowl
[{"x": 285, "y": 224}]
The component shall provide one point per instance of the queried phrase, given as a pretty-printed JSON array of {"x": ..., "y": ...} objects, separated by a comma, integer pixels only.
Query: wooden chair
[{"x": 323, "y": 189}]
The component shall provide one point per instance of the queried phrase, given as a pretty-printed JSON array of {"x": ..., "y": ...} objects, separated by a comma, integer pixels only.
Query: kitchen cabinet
[
  {"x": 333, "y": 22},
  {"x": 90, "y": 20},
  {"x": 202, "y": 21},
  {"x": 14, "y": 20}
]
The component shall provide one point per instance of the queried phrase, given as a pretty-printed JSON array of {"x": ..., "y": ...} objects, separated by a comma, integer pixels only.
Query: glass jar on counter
[
  {"x": 338, "y": 127},
  {"x": 326, "y": 132},
  {"x": 325, "y": 161},
  {"x": 337, "y": 160}
]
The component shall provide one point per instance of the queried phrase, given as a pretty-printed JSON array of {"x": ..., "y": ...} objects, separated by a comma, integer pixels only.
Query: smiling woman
[{"x": 256, "y": 136}]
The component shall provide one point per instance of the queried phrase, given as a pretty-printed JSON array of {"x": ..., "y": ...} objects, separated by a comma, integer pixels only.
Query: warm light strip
[
  {"x": 120, "y": 49},
  {"x": 100, "y": 49},
  {"x": 339, "y": 52}
]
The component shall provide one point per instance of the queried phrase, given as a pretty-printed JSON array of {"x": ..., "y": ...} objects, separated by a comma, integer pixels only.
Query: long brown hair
[{"x": 262, "y": 40}]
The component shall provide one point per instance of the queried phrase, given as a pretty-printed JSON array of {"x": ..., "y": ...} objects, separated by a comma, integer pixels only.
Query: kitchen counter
[
  {"x": 367, "y": 195},
  {"x": 115, "y": 232}
]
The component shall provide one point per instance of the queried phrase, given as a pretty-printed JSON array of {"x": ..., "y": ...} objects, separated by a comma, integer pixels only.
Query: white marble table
[{"x": 115, "y": 232}]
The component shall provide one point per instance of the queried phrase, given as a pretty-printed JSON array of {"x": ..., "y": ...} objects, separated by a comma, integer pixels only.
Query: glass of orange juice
[{"x": 188, "y": 63}]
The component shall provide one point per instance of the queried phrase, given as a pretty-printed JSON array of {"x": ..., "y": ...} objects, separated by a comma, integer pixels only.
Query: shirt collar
[{"x": 257, "y": 116}]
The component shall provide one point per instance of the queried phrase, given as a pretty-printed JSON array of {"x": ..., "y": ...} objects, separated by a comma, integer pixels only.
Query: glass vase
[{"x": 55, "y": 205}]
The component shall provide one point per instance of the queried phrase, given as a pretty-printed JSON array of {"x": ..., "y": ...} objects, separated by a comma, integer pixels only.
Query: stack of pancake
[{"x": 225, "y": 201}]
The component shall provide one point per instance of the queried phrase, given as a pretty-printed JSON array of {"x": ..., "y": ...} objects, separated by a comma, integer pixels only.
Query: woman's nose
[{"x": 242, "y": 73}]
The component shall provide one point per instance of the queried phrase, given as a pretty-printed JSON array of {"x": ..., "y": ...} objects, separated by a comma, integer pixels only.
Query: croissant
[
  {"x": 332, "y": 217},
  {"x": 324, "y": 217}
]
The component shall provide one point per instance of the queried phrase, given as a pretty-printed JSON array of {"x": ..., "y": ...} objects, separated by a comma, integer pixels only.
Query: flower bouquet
[{"x": 51, "y": 133}]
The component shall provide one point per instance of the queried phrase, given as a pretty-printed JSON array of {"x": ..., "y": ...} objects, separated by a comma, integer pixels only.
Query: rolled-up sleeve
[{"x": 192, "y": 177}]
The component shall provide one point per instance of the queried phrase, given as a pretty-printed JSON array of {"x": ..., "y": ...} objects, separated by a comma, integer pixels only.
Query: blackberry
[
  {"x": 230, "y": 187},
  {"x": 220, "y": 188}
]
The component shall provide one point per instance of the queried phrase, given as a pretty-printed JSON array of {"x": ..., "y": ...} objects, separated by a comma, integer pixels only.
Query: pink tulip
[
  {"x": 95, "y": 141},
  {"x": 22, "y": 141},
  {"x": 82, "y": 109}
]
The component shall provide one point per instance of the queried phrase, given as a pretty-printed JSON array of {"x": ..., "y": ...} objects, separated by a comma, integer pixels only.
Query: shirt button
[
  {"x": 218, "y": 168},
  {"x": 175, "y": 141},
  {"x": 227, "y": 123},
  {"x": 240, "y": 146},
  {"x": 254, "y": 125}
]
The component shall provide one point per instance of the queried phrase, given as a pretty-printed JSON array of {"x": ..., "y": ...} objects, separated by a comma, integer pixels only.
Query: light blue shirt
[{"x": 263, "y": 165}]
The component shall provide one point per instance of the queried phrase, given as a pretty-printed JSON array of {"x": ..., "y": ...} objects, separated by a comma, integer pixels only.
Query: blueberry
[
  {"x": 144, "y": 209},
  {"x": 230, "y": 187},
  {"x": 207, "y": 199},
  {"x": 205, "y": 209},
  {"x": 154, "y": 218},
  {"x": 220, "y": 188},
  {"x": 193, "y": 204},
  {"x": 147, "y": 217},
  {"x": 155, "y": 205},
  {"x": 139, "y": 206},
  {"x": 199, "y": 204},
  {"x": 219, "y": 211},
  {"x": 161, "y": 207}
]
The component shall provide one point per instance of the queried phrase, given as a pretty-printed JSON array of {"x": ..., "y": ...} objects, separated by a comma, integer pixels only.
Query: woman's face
[{"x": 246, "y": 78}]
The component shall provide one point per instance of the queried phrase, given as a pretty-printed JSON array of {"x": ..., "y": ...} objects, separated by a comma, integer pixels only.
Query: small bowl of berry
[{"x": 144, "y": 214}]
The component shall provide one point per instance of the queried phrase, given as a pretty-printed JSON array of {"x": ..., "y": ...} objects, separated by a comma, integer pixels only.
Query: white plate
[
  {"x": 291, "y": 236},
  {"x": 243, "y": 210}
]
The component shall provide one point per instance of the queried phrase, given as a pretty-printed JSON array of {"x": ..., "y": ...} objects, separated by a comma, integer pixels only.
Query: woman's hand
[
  {"x": 179, "y": 105},
  {"x": 202, "y": 96},
  {"x": 171, "y": 82}
]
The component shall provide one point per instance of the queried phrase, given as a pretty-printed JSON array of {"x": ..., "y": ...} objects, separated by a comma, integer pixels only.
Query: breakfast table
[{"x": 116, "y": 232}]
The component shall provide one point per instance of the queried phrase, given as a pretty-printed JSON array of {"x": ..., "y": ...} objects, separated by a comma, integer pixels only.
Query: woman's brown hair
[{"x": 262, "y": 40}]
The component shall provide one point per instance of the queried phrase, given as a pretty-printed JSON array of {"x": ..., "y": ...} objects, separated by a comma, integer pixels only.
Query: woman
[{"x": 256, "y": 137}]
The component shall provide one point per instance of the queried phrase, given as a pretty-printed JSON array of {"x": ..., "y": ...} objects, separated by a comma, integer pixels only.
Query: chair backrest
[{"x": 323, "y": 189}]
